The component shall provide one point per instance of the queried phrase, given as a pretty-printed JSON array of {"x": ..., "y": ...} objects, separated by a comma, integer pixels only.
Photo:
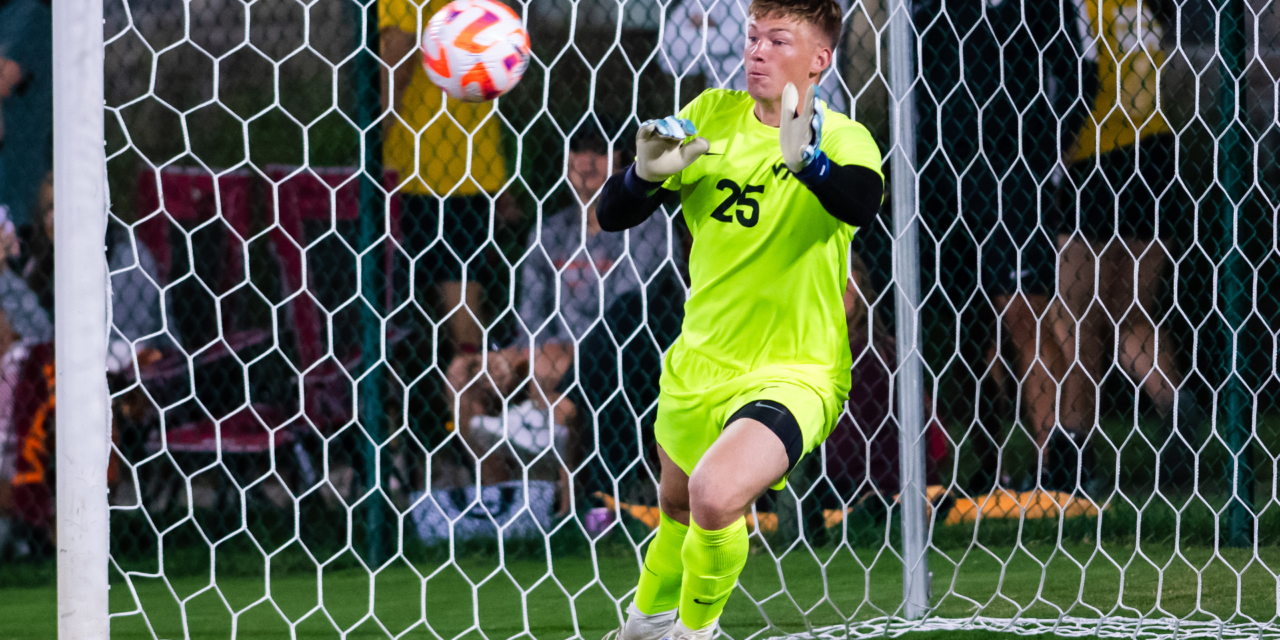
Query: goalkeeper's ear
[
  {"x": 820, "y": 51},
  {"x": 821, "y": 62}
]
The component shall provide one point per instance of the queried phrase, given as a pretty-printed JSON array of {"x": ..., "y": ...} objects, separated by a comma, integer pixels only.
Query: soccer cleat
[
  {"x": 641, "y": 626},
  {"x": 681, "y": 632}
]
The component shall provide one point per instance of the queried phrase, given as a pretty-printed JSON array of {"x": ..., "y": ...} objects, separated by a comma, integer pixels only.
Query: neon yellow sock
[
  {"x": 712, "y": 562},
  {"x": 659, "y": 589}
]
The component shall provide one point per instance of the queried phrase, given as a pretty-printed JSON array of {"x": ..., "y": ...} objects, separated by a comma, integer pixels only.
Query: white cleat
[
  {"x": 681, "y": 632},
  {"x": 640, "y": 626}
]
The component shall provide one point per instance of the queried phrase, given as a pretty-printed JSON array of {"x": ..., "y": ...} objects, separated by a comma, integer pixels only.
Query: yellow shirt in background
[
  {"x": 439, "y": 137},
  {"x": 1124, "y": 39}
]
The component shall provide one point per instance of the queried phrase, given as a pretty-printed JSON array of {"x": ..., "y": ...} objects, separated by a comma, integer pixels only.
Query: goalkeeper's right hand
[{"x": 662, "y": 150}]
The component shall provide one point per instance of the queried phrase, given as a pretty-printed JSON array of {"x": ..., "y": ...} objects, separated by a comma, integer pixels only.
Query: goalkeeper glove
[
  {"x": 801, "y": 135},
  {"x": 661, "y": 149}
]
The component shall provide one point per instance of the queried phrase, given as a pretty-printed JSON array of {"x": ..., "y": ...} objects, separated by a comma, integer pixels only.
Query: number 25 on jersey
[{"x": 739, "y": 197}]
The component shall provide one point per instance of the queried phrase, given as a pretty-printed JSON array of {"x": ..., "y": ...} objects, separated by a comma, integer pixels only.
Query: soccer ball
[{"x": 476, "y": 50}]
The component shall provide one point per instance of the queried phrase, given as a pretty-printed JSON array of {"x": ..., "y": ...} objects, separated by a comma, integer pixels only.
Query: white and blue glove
[
  {"x": 663, "y": 148},
  {"x": 801, "y": 135}
]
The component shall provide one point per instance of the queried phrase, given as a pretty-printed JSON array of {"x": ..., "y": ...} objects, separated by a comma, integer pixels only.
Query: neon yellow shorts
[{"x": 698, "y": 395}]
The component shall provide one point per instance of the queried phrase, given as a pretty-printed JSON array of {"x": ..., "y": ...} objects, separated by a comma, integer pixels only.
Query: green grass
[
  {"x": 564, "y": 597},
  {"x": 998, "y": 569}
]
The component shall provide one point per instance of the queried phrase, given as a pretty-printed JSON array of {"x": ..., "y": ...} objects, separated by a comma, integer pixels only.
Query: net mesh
[{"x": 375, "y": 373}]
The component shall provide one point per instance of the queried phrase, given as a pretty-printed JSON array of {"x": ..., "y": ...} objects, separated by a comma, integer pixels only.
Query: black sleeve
[
  {"x": 626, "y": 201},
  {"x": 851, "y": 194}
]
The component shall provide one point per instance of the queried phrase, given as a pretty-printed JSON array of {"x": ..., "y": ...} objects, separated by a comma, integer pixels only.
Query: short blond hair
[{"x": 825, "y": 15}]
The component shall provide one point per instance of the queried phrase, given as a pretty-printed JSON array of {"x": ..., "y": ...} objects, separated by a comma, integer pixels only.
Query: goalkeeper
[{"x": 773, "y": 188}]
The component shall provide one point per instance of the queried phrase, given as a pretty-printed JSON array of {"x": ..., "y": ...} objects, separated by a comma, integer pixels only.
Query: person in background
[
  {"x": 26, "y": 105},
  {"x": 861, "y": 454},
  {"x": 15, "y": 346},
  {"x": 1001, "y": 76},
  {"x": 1122, "y": 182},
  {"x": 26, "y": 274},
  {"x": 564, "y": 317},
  {"x": 26, "y": 282},
  {"x": 136, "y": 309},
  {"x": 25, "y": 325},
  {"x": 862, "y": 451},
  {"x": 27, "y": 332},
  {"x": 10, "y": 77},
  {"x": 586, "y": 292},
  {"x": 427, "y": 138}
]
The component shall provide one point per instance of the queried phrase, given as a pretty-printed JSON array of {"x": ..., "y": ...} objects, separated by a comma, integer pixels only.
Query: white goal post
[{"x": 84, "y": 424}]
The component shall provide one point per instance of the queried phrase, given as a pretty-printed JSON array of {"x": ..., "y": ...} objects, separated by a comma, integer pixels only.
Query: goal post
[
  {"x": 81, "y": 296},
  {"x": 906, "y": 275}
]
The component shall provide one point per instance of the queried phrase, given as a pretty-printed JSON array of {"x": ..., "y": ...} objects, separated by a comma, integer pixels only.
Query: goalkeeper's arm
[
  {"x": 627, "y": 200},
  {"x": 663, "y": 149},
  {"x": 850, "y": 193}
]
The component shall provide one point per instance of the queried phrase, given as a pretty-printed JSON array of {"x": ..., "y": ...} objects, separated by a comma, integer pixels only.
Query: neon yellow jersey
[
  {"x": 1123, "y": 37},
  {"x": 427, "y": 146},
  {"x": 768, "y": 264}
]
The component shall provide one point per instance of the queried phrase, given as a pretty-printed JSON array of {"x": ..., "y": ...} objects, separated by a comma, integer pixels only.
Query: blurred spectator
[
  {"x": 1122, "y": 175},
  {"x": 136, "y": 312},
  {"x": 707, "y": 38},
  {"x": 862, "y": 451},
  {"x": 35, "y": 260},
  {"x": 25, "y": 325},
  {"x": 26, "y": 276},
  {"x": 602, "y": 296},
  {"x": 33, "y": 414},
  {"x": 427, "y": 142},
  {"x": 10, "y": 77},
  {"x": 11, "y": 363},
  {"x": 26, "y": 345},
  {"x": 565, "y": 317},
  {"x": 26, "y": 104},
  {"x": 860, "y": 59},
  {"x": 1000, "y": 77},
  {"x": 135, "y": 287}
]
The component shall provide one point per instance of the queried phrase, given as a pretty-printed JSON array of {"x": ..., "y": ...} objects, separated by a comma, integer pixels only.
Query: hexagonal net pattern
[{"x": 376, "y": 372}]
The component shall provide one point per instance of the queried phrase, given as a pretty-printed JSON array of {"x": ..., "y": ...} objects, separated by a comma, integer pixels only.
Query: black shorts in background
[{"x": 1128, "y": 192}]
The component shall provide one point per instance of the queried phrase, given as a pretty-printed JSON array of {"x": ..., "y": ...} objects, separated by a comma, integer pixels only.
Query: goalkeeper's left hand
[{"x": 800, "y": 135}]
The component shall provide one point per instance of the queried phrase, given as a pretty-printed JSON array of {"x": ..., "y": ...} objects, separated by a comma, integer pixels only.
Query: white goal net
[{"x": 375, "y": 372}]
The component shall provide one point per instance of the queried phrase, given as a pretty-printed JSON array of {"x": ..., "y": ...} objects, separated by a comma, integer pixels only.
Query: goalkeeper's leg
[
  {"x": 729, "y": 467},
  {"x": 653, "y": 613},
  {"x": 693, "y": 567},
  {"x": 745, "y": 461}
]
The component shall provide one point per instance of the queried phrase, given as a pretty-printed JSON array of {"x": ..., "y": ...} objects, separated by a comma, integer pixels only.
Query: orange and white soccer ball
[{"x": 476, "y": 50}]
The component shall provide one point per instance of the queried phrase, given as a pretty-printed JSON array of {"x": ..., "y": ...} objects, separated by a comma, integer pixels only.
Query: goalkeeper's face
[{"x": 782, "y": 49}]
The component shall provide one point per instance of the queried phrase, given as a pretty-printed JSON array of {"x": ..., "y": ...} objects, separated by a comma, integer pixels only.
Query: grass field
[
  {"x": 1148, "y": 558},
  {"x": 565, "y": 599}
]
